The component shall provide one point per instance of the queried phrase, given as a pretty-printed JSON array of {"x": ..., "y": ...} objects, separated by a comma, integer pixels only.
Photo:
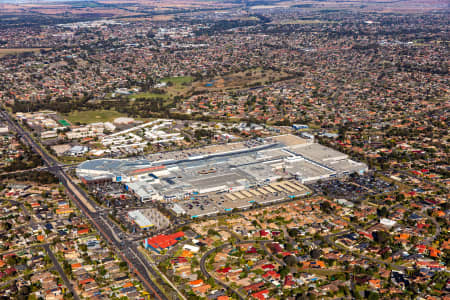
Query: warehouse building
[
  {"x": 163, "y": 242},
  {"x": 139, "y": 219},
  {"x": 148, "y": 218}
]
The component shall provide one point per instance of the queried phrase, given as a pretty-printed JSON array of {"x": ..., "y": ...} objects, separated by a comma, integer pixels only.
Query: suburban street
[
  {"x": 107, "y": 229},
  {"x": 207, "y": 275},
  {"x": 61, "y": 271},
  {"x": 209, "y": 252}
]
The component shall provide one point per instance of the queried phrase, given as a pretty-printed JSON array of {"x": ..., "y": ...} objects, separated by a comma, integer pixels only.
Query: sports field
[{"x": 92, "y": 116}]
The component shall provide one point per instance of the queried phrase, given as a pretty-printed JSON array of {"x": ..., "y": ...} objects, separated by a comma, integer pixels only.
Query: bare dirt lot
[{"x": 249, "y": 78}]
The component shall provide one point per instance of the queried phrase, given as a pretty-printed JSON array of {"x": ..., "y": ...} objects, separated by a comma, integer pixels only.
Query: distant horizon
[{"x": 38, "y": 1}]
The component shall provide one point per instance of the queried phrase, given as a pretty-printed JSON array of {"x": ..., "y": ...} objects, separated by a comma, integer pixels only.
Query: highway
[{"x": 105, "y": 227}]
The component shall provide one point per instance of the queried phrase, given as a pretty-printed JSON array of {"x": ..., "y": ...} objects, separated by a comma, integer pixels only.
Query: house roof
[
  {"x": 196, "y": 282},
  {"x": 223, "y": 270},
  {"x": 268, "y": 266},
  {"x": 254, "y": 287},
  {"x": 271, "y": 274},
  {"x": 202, "y": 289},
  {"x": 261, "y": 295}
]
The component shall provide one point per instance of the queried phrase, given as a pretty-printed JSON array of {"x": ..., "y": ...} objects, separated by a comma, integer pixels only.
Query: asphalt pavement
[
  {"x": 80, "y": 198},
  {"x": 61, "y": 271}
]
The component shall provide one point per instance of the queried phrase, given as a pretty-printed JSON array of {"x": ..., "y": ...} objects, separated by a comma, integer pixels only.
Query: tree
[
  {"x": 293, "y": 232},
  {"x": 383, "y": 212},
  {"x": 312, "y": 296},
  {"x": 381, "y": 237},
  {"x": 316, "y": 253},
  {"x": 211, "y": 281},
  {"x": 289, "y": 247},
  {"x": 284, "y": 271},
  {"x": 400, "y": 197},
  {"x": 373, "y": 296},
  {"x": 326, "y": 207},
  {"x": 102, "y": 271},
  {"x": 212, "y": 232},
  {"x": 290, "y": 260}
]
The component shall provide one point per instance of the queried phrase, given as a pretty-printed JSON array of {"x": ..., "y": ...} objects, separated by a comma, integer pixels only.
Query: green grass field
[
  {"x": 92, "y": 116},
  {"x": 178, "y": 81},
  {"x": 177, "y": 86}
]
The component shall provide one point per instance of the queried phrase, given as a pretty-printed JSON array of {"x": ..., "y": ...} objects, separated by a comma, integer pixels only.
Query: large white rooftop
[{"x": 282, "y": 156}]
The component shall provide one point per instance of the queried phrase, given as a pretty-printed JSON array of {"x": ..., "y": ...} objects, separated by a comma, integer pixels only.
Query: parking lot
[
  {"x": 373, "y": 184},
  {"x": 354, "y": 187},
  {"x": 114, "y": 195},
  {"x": 220, "y": 202},
  {"x": 199, "y": 151}
]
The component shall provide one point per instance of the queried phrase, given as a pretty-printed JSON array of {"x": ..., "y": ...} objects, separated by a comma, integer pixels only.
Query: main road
[{"x": 108, "y": 230}]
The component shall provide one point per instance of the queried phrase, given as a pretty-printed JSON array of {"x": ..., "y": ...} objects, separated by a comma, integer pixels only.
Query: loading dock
[
  {"x": 287, "y": 188},
  {"x": 255, "y": 192},
  {"x": 246, "y": 193},
  {"x": 276, "y": 187},
  {"x": 239, "y": 195},
  {"x": 271, "y": 190},
  {"x": 231, "y": 197},
  {"x": 263, "y": 191}
]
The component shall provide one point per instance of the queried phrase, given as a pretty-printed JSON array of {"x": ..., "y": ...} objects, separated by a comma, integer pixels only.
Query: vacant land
[
  {"x": 92, "y": 116},
  {"x": 178, "y": 85},
  {"x": 149, "y": 95},
  {"x": 186, "y": 85},
  {"x": 9, "y": 51},
  {"x": 249, "y": 78}
]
